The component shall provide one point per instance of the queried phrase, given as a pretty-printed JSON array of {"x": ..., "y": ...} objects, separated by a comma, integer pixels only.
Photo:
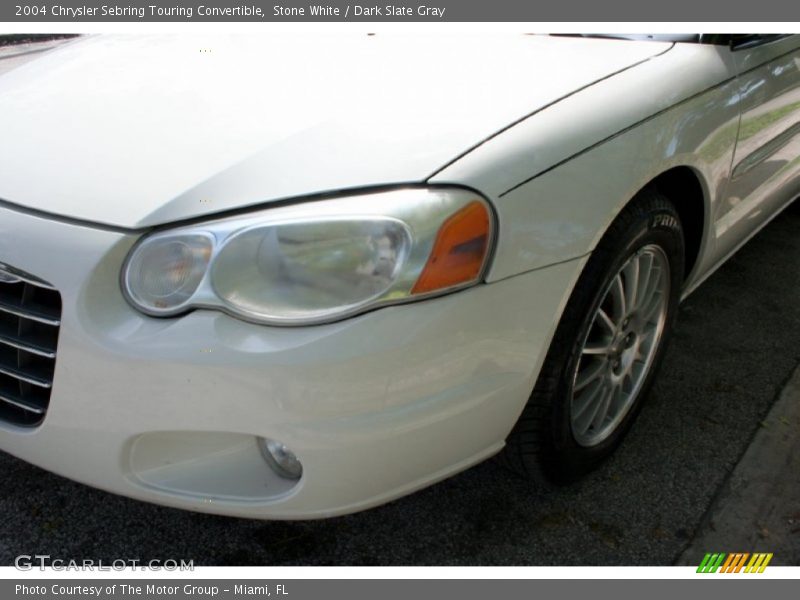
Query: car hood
[{"x": 136, "y": 131}]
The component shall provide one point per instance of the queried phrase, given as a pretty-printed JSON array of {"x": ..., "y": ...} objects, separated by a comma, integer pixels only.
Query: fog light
[{"x": 280, "y": 459}]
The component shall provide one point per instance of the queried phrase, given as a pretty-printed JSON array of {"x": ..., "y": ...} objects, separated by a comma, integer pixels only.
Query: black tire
[{"x": 542, "y": 444}]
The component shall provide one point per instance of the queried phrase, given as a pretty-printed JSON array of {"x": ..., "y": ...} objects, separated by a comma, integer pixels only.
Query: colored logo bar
[{"x": 735, "y": 562}]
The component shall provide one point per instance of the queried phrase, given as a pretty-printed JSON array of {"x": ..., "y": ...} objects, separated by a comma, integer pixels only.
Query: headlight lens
[
  {"x": 305, "y": 270},
  {"x": 317, "y": 261}
]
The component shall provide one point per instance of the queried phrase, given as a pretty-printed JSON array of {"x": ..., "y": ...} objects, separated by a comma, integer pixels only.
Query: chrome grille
[{"x": 30, "y": 316}]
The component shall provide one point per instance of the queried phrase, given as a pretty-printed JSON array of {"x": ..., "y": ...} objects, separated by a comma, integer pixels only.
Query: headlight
[{"x": 316, "y": 261}]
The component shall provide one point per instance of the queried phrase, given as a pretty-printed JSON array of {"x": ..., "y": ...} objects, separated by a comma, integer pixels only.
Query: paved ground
[
  {"x": 735, "y": 348},
  {"x": 758, "y": 508}
]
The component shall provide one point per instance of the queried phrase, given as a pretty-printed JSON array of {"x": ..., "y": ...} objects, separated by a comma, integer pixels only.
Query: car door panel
[{"x": 765, "y": 173}]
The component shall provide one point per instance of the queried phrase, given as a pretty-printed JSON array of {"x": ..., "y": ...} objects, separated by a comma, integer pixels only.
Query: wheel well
[{"x": 682, "y": 186}]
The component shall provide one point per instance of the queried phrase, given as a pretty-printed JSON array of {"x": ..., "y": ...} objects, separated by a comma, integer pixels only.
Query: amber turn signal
[{"x": 459, "y": 250}]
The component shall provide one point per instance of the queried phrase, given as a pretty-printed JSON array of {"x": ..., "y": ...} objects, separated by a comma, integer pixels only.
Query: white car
[{"x": 295, "y": 277}]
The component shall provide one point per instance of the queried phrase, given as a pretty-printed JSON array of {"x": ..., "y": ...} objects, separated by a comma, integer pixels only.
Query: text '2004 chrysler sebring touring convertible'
[{"x": 290, "y": 277}]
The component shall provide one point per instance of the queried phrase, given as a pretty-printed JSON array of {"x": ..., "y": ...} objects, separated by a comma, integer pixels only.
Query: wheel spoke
[
  {"x": 603, "y": 319},
  {"x": 645, "y": 337},
  {"x": 585, "y": 421},
  {"x": 631, "y": 272},
  {"x": 589, "y": 374},
  {"x": 587, "y": 399},
  {"x": 597, "y": 348},
  {"x": 616, "y": 402},
  {"x": 645, "y": 273},
  {"x": 653, "y": 286},
  {"x": 637, "y": 369},
  {"x": 619, "y": 401},
  {"x": 652, "y": 307},
  {"x": 618, "y": 295},
  {"x": 602, "y": 407},
  {"x": 627, "y": 383}
]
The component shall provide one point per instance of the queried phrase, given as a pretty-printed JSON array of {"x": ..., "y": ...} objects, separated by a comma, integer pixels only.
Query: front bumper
[{"x": 375, "y": 407}]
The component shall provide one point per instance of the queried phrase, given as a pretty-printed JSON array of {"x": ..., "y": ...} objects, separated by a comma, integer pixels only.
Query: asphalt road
[{"x": 736, "y": 344}]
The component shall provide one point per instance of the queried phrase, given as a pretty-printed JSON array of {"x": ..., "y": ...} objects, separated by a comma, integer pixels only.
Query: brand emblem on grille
[{"x": 6, "y": 276}]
